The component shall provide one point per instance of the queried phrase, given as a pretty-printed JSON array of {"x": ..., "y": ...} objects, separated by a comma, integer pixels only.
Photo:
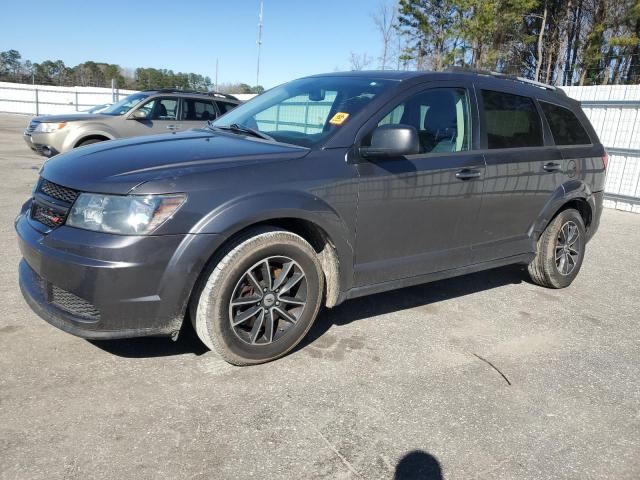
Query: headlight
[
  {"x": 125, "y": 215},
  {"x": 49, "y": 127}
]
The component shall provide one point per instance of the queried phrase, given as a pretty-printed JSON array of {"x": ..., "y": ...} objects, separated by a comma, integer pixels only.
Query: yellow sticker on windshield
[{"x": 339, "y": 118}]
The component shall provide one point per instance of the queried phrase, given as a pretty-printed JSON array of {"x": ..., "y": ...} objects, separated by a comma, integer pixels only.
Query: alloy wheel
[
  {"x": 567, "y": 251},
  {"x": 268, "y": 299}
]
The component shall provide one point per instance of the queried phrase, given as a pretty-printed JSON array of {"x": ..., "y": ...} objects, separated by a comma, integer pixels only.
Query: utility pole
[
  {"x": 259, "y": 43},
  {"x": 217, "y": 74}
]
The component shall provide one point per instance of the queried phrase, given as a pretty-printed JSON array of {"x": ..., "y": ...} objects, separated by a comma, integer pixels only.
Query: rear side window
[
  {"x": 512, "y": 121},
  {"x": 197, "y": 110},
  {"x": 565, "y": 126}
]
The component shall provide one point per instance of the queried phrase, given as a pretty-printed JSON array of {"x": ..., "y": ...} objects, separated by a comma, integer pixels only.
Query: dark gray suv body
[{"x": 327, "y": 188}]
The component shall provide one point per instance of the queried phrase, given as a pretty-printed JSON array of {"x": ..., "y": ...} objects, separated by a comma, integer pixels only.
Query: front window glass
[
  {"x": 308, "y": 111},
  {"x": 161, "y": 109},
  {"x": 124, "y": 105},
  {"x": 440, "y": 116}
]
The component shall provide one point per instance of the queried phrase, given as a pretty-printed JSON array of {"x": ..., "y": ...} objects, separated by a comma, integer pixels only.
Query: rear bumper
[
  {"x": 109, "y": 286},
  {"x": 595, "y": 201}
]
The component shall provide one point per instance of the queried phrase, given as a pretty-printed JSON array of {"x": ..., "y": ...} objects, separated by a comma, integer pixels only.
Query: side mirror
[
  {"x": 392, "y": 141},
  {"x": 139, "y": 115}
]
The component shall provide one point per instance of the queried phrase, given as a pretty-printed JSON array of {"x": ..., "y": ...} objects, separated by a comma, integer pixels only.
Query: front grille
[
  {"x": 49, "y": 213},
  {"x": 73, "y": 304},
  {"x": 46, "y": 216},
  {"x": 58, "y": 191}
]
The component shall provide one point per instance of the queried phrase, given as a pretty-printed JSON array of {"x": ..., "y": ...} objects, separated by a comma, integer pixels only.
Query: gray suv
[
  {"x": 143, "y": 113},
  {"x": 320, "y": 190}
]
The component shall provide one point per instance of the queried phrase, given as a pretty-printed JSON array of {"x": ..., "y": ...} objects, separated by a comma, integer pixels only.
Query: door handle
[
  {"x": 467, "y": 174},
  {"x": 551, "y": 167},
  {"x": 172, "y": 127}
]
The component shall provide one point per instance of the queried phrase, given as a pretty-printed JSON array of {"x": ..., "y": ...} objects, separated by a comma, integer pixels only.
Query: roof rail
[
  {"x": 179, "y": 90},
  {"x": 505, "y": 76}
]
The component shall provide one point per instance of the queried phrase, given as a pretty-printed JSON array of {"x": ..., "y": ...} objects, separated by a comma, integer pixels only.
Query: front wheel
[
  {"x": 90, "y": 141},
  {"x": 560, "y": 251},
  {"x": 261, "y": 298}
]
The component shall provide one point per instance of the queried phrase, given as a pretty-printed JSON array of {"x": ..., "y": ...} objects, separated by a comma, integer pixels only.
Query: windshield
[
  {"x": 124, "y": 105},
  {"x": 305, "y": 112}
]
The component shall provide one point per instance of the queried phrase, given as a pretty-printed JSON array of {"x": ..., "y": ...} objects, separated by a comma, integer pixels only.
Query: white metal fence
[
  {"x": 50, "y": 100},
  {"x": 614, "y": 111}
]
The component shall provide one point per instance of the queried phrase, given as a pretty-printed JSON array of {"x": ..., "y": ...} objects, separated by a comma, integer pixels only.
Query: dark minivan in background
[{"x": 320, "y": 190}]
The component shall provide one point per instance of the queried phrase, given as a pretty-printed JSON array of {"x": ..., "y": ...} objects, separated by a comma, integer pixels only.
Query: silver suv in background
[{"x": 142, "y": 113}]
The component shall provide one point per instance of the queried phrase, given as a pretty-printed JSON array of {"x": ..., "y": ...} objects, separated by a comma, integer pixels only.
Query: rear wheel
[
  {"x": 561, "y": 250},
  {"x": 261, "y": 298}
]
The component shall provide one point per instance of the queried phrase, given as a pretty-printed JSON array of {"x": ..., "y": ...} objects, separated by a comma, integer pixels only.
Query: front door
[
  {"x": 417, "y": 214},
  {"x": 162, "y": 117}
]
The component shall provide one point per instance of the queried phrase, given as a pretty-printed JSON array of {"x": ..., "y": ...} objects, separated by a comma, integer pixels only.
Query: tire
[
  {"x": 89, "y": 142},
  {"x": 291, "y": 261},
  {"x": 546, "y": 269}
]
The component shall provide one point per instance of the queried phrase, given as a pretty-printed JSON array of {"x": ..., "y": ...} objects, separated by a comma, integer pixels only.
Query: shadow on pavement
[
  {"x": 350, "y": 311},
  {"x": 146, "y": 347},
  {"x": 418, "y": 465},
  {"x": 412, "y": 297}
]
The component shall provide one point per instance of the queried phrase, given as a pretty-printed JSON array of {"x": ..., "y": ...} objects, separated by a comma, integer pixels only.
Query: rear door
[
  {"x": 196, "y": 112},
  {"x": 524, "y": 169}
]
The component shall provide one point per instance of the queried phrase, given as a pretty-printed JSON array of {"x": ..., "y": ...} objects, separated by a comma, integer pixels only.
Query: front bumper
[
  {"x": 40, "y": 144},
  {"x": 98, "y": 286}
]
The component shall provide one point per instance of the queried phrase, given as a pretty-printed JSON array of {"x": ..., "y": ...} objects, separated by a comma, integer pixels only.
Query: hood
[
  {"x": 117, "y": 166},
  {"x": 71, "y": 117}
]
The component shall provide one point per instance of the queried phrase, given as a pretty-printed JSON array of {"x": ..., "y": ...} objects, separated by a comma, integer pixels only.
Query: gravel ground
[{"x": 484, "y": 376}]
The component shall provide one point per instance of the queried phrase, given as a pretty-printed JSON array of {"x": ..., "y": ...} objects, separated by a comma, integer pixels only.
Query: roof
[
  {"x": 451, "y": 74},
  {"x": 192, "y": 92},
  {"x": 380, "y": 74}
]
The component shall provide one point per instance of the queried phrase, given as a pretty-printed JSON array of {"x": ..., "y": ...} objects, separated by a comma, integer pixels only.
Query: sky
[{"x": 299, "y": 37}]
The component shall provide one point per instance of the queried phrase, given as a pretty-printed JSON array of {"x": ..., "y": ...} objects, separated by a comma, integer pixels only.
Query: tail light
[{"x": 605, "y": 160}]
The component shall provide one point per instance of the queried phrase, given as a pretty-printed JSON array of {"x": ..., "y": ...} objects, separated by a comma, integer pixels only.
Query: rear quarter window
[
  {"x": 565, "y": 126},
  {"x": 511, "y": 121}
]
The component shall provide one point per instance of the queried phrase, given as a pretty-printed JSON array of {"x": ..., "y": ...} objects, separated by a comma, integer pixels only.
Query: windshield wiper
[{"x": 236, "y": 127}]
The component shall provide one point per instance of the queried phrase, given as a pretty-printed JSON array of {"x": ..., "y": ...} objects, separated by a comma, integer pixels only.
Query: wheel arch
[
  {"x": 298, "y": 212},
  {"x": 574, "y": 194},
  {"x": 85, "y": 132},
  {"x": 95, "y": 136}
]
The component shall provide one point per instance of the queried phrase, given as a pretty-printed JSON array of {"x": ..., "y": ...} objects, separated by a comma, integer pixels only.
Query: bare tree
[
  {"x": 384, "y": 20},
  {"x": 540, "y": 43},
  {"x": 359, "y": 61}
]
